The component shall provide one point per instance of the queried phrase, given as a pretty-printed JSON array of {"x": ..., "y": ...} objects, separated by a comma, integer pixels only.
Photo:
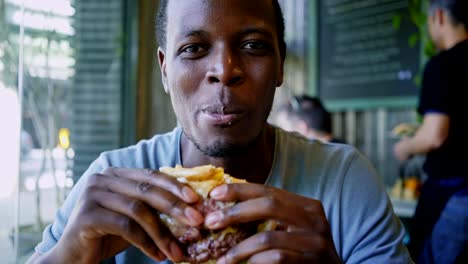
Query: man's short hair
[
  {"x": 313, "y": 113},
  {"x": 161, "y": 25},
  {"x": 458, "y": 9}
]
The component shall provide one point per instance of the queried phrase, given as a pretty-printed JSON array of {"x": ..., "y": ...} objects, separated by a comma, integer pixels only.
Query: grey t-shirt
[{"x": 363, "y": 225}]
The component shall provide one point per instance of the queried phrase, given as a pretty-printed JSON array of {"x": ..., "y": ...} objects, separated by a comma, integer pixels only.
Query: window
[{"x": 61, "y": 104}]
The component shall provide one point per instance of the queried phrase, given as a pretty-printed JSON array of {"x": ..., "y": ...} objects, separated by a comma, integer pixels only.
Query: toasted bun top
[{"x": 202, "y": 179}]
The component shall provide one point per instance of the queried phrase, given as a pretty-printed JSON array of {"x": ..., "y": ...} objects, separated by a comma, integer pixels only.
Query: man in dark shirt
[{"x": 443, "y": 135}]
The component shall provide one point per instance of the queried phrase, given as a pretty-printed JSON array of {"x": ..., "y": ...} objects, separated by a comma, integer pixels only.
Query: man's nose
[{"x": 225, "y": 68}]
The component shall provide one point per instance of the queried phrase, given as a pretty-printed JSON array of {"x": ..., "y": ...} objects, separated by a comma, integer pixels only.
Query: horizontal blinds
[{"x": 97, "y": 84}]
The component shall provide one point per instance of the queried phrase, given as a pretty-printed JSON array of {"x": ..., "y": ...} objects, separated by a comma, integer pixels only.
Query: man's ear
[
  {"x": 440, "y": 16},
  {"x": 280, "y": 73},
  {"x": 162, "y": 66}
]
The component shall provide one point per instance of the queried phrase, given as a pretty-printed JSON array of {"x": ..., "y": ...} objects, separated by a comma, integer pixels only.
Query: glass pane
[
  {"x": 10, "y": 117},
  {"x": 71, "y": 107}
]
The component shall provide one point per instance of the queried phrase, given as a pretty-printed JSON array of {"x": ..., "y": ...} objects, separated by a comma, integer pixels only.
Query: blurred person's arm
[{"x": 431, "y": 135}]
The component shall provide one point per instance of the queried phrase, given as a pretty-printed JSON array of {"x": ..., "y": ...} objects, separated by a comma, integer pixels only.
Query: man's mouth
[{"x": 222, "y": 116}]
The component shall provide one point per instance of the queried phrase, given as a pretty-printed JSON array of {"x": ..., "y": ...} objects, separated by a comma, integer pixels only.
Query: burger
[{"x": 202, "y": 245}]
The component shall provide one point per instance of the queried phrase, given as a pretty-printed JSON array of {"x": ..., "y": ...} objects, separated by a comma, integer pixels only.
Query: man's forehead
[
  {"x": 218, "y": 3},
  {"x": 199, "y": 13}
]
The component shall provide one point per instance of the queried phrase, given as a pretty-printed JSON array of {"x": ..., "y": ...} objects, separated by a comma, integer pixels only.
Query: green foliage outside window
[{"x": 417, "y": 13}]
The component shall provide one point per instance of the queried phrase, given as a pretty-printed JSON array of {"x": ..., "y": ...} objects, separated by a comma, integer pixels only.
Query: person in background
[
  {"x": 443, "y": 137},
  {"x": 308, "y": 116}
]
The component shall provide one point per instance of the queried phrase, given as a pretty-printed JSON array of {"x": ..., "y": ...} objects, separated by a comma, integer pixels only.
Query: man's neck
[{"x": 254, "y": 164}]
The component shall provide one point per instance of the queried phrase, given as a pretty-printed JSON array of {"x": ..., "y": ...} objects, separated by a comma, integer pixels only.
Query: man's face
[
  {"x": 221, "y": 66},
  {"x": 437, "y": 20},
  {"x": 432, "y": 28}
]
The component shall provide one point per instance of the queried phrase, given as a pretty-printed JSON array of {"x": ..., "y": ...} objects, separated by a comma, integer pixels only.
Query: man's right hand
[{"x": 118, "y": 208}]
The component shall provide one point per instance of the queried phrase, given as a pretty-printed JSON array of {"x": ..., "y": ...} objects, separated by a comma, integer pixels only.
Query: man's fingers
[
  {"x": 112, "y": 223},
  {"x": 269, "y": 240},
  {"x": 258, "y": 202},
  {"x": 144, "y": 217},
  {"x": 155, "y": 196},
  {"x": 248, "y": 211},
  {"x": 248, "y": 191},
  {"x": 157, "y": 179},
  {"x": 263, "y": 208},
  {"x": 240, "y": 191}
]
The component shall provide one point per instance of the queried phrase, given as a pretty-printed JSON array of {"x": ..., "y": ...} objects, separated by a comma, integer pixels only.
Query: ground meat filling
[
  {"x": 213, "y": 247},
  {"x": 202, "y": 244}
]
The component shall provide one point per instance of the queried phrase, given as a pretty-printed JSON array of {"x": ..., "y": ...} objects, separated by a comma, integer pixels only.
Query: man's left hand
[{"x": 305, "y": 238}]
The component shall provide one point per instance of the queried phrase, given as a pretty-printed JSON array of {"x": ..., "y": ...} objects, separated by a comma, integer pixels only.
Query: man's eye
[
  {"x": 192, "y": 49},
  {"x": 255, "y": 45}
]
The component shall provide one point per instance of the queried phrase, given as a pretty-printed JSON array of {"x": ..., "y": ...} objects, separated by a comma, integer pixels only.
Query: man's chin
[{"x": 221, "y": 147}]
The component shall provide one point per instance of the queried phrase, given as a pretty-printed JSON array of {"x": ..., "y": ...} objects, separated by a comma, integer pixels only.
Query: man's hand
[
  {"x": 431, "y": 135},
  {"x": 305, "y": 236},
  {"x": 400, "y": 150},
  {"x": 118, "y": 209}
]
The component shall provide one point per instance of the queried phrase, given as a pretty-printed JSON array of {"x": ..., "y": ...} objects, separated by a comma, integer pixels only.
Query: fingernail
[
  {"x": 189, "y": 194},
  {"x": 176, "y": 252},
  {"x": 218, "y": 192},
  {"x": 213, "y": 219},
  {"x": 193, "y": 215}
]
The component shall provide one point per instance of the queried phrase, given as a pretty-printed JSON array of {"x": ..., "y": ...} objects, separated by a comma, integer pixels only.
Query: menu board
[{"x": 363, "y": 52}]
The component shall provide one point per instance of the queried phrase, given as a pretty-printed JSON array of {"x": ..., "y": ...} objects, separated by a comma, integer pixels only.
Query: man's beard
[{"x": 223, "y": 150}]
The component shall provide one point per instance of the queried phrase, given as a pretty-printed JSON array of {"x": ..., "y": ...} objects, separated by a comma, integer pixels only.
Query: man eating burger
[{"x": 221, "y": 62}]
